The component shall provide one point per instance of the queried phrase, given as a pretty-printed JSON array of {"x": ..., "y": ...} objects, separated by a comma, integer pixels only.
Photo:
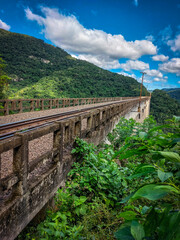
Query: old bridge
[{"x": 36, "y": 171}]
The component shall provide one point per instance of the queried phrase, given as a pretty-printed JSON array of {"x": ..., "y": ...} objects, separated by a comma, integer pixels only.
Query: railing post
[
  {"x": 63, "y": 103},
  {"x": 37, "y": 103},
  {"x": 32, "y": 106},
  {"x": 20, "y": 106},
  {"x": 13, "y": 106},
  {"x": 50, "y": 103},
  {"x": 57, "y": 103},
  {"x": 20, "y": 165},
  {"x": 42, "y": 104},
  {"x": 6, "y": 107}
]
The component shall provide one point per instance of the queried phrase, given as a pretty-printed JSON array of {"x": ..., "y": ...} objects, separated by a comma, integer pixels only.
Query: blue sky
[{"x": 123, "y": 36}]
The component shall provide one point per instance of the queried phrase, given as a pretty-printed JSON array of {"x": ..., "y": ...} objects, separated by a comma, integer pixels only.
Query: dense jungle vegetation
[
  {"x": 163, "y": 106},
  {"x": 35, "y": 66},
  {"x": 4, "y": 79},
  {"x": 127, "y": 189},
  {"x": 173, "y": 92}
]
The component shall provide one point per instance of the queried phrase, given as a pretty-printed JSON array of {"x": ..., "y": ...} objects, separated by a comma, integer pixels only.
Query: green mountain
[
  {"x": 163, "y": 106},
  {"x": 40, "y": 70},
  {"x": 173, "y": 92}
]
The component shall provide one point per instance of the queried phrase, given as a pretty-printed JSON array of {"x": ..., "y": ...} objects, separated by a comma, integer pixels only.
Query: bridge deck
[
  {"x": 29, "y": 115},
  {"x": 44, "y": 143}
]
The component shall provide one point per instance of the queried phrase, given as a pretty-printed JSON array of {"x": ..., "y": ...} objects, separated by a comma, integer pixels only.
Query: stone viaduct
[{"x": 33, "y": 182}]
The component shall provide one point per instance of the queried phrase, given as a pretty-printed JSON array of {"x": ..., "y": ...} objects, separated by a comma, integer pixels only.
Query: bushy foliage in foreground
[{"x": 128, "y": 189}]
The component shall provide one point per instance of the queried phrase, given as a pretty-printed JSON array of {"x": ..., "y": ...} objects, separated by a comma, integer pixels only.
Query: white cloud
[
  {"x": 160, "y": 79},
  {"x": 174, "y": 44},
  {"x": 128, "y": 75},
  {"x": 66, "y": 32},
  {"x": 161, "y": 58},
  {"x": 154, "y": 73},
  {"x": 32, "y": 16},
  {"x": 146, "y": 80},
  {"x": 157, "y": 79},
  {"x": 172, "y": 66},
  {"x": 179, "y": 82},
  {"x": 166, "y": 34},
  {"x": 3, "y": 25},
  {"x": 100, "y": 61},
  {"x": 136, "y": 65},
  {"x": 74, "y": 56},
  {"x": 150, "y": 38}
]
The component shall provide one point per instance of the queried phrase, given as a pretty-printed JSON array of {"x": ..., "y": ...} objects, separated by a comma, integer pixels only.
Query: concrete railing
[
  {"x": 34, "y": 179},
  {"x": 10, "y": 106}
]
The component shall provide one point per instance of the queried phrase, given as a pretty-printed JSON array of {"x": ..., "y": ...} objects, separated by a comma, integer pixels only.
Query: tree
[{"x": 3, "y": 79}]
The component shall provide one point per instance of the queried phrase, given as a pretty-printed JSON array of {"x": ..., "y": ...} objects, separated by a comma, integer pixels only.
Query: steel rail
[{"x": 22, "y": 123}]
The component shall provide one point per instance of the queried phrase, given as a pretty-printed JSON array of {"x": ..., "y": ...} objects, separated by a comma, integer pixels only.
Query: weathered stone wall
[{"x": 32, "y": 183}]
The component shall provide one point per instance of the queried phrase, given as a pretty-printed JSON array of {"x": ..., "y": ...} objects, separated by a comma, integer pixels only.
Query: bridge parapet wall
[
  {"x": 9, "y": 106},
  {"x": 34, "y": 181}
]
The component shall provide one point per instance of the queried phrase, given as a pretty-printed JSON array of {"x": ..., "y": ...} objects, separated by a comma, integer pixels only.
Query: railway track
[{"x": 9, "y": 129}]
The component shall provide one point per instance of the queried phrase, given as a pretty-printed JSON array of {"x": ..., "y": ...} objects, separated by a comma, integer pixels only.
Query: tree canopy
[
  {"x": 40, "y": 70},
  {"x": 3, "y": 79},
  {"x": 163, "y": 106}
]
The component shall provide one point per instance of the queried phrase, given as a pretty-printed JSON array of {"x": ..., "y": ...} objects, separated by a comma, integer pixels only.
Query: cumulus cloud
[
  {"x": 151, "y": 74},
  {"x": 161, "y": 58},
  {"x": 128, "y": 75},
  {"x": 66, "y": 32},
  {"x": 136, "y": 65},
  {"x": 146, "y": 80},
  {"x": 100, "y": 61},
  {"x": 156, "y": 79},
  {"x": 154, "y": 73},
  {"x": 172, "y": 66},
  {"x": 32, "y": 16},
  {"x": 3, "y": 25},
  {"x": 179, "y": 82},
  {"x": 174, "y": 44},
  {"x": 160, "y": 79}
]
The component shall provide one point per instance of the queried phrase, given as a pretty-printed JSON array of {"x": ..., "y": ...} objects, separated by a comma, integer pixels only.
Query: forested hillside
[
  {"x": 173, "y": 92},
  {"x": 40, "y": 70},
  {"x": 163, "y": 106}
]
